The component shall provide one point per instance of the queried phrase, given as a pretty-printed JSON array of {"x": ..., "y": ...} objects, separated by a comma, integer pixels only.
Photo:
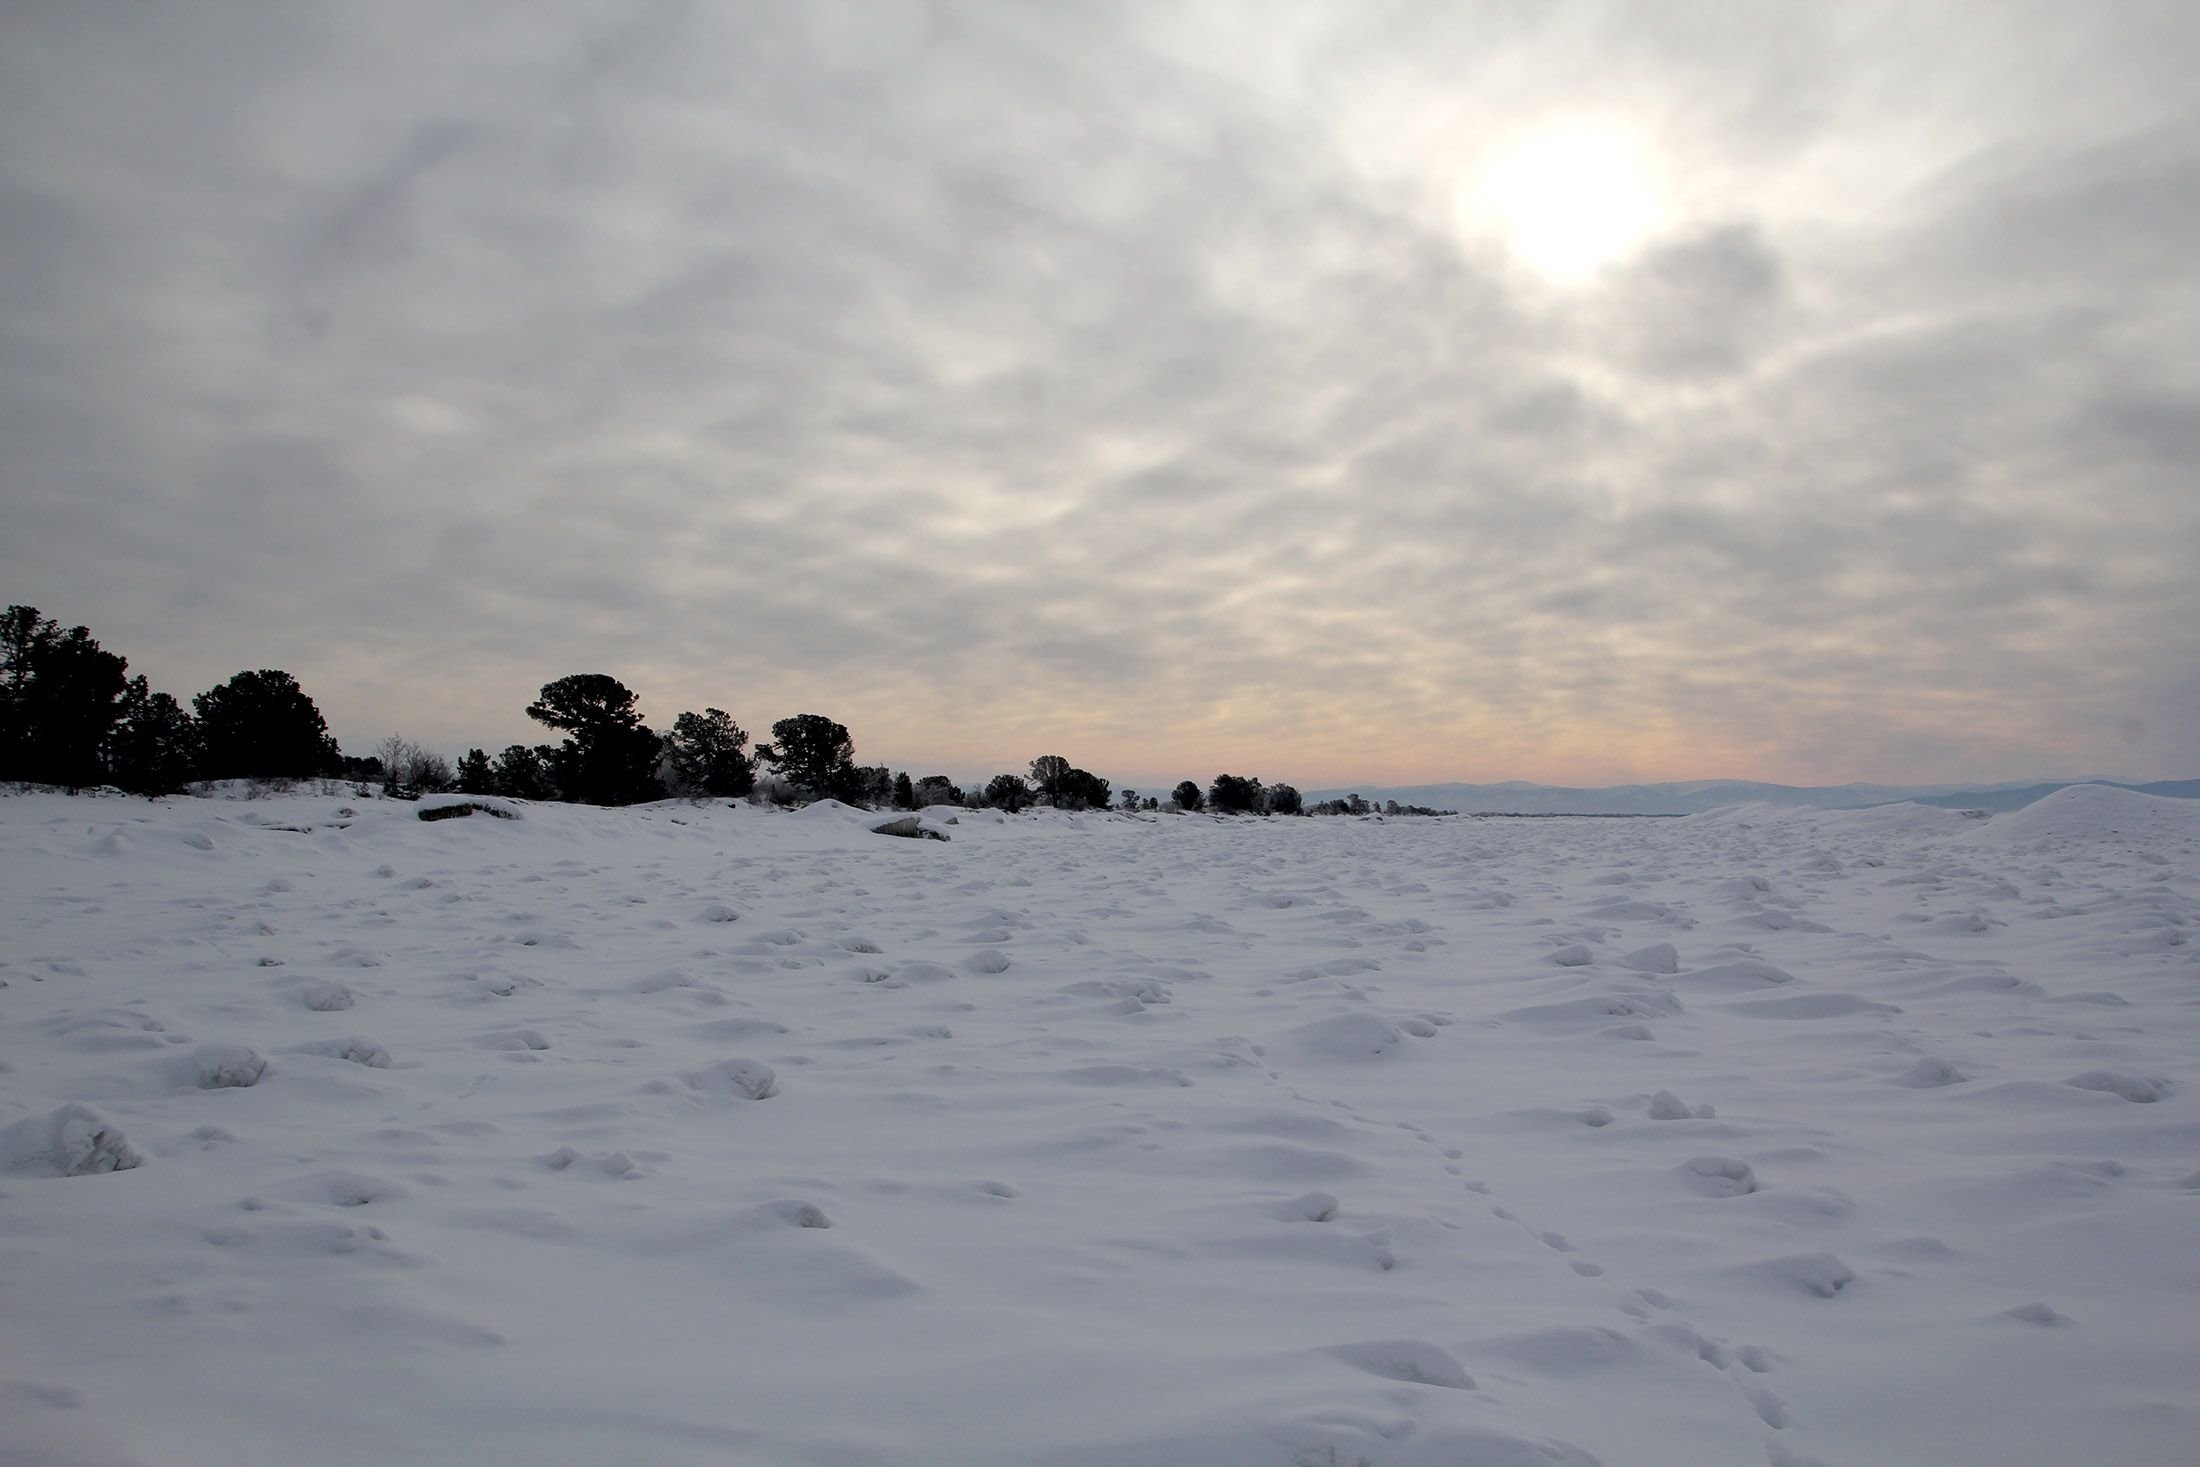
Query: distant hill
[
  {"x": 2003, "y": 800},
  {"x": 1690, "y": 797}
]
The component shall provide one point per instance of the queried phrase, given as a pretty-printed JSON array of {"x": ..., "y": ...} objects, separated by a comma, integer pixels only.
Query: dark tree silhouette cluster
[
  {"x": 261, "y": 725},
  {"x": 1066, "y": 787},
  {"x": 71, "y": 716},
  {"x": 61, "y": 696}
]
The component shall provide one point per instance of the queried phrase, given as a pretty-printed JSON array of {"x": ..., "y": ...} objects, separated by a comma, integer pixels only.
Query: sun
[{"x": 1569, "y": 198}]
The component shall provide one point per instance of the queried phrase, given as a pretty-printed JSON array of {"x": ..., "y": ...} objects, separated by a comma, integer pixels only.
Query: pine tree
[
  {"x": 60, "y": 698},
  {"x": 609, "y": 756},
  {"x": 474, "y": 775},
  {"x": 155, "y": 747},
  {"x": 261, "y": 725},
  {"x": 816, "y": 755},
  {"x": 706, "y": 754}
]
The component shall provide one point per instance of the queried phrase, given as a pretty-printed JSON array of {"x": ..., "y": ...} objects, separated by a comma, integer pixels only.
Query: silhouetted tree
[
  {"x": 411, "y": 768},
  {"x": 1235, "y": 794},
  {"x": 1285, "y": 800},
  {"x": 1081, "y": 789},
  {"x": 474, "y": 775},
  {"x": 1353, "y": 805},
  {"x": 874, "y": 785},
  {"x": 261, "y": 725},
  {"x": 814, "y": 754},
  {"x": 524, "y": 773},
  {"x": 609, "y": 756},
  {"x": 1047, "y": 773},
  {"x": 22, "y": 630},
  {"x": 1007, "y": 792},
  {"x": 1129, "y": 797},
  {"x": 706, "y": 754},
  {"x": 937, "y": 789},
  {"x": 905, "y": 794},
  {"x": 60, "y": 698},
  {"x": 1187, "y": 796},
  {"x": 155, "y": 747}
]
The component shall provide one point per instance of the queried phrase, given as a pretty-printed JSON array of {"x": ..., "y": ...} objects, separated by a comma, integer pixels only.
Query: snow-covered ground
[{"x": 722, "y": 1135}]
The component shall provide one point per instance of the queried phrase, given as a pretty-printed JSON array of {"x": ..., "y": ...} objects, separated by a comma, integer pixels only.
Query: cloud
[
  {"x": 1701, "y": 306},
  {"x": 1118, "y": 381}
]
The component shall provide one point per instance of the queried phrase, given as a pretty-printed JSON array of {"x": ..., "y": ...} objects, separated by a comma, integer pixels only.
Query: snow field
[{"x": 711, "y": 1134}]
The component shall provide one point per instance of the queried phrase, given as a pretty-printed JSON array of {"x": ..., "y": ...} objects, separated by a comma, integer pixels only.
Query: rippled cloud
[{"x": 1156, "y": 385}]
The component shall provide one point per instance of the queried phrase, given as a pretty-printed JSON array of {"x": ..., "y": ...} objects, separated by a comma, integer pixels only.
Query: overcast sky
[{"x": 1327, "y": 392}]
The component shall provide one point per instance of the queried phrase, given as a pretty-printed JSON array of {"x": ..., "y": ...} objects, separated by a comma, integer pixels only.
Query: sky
[{"x": 1348, "y": 393}]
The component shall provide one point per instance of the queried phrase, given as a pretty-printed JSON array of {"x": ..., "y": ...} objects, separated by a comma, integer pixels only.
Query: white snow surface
[{"x": 687, "y": 1134}]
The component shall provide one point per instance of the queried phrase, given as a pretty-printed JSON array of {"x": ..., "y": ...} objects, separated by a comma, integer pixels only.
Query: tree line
[{"x": 70, "y": 715}]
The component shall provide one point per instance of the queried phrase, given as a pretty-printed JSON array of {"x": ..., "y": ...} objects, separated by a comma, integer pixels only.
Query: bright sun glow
[{"x": 1569, "y": 199}]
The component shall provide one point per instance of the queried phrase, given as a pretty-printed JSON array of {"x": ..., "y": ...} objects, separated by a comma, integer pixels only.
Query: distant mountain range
[{"x": 1689, "y": 797}]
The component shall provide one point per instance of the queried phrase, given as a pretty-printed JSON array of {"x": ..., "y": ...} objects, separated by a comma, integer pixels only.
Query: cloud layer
[{"x": 1138, "y": 383}]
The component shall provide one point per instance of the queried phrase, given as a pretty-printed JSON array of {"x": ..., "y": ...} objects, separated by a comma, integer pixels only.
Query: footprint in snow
[
  {"x": 349, "y": 1189},
  {"x": 1931, "y": 1074},
  {"x": 787, "y": 1212},
  {"x": 738, "y": 1079},
  {"x": 614, "y": 1164},
  {"x": 1317, "y": 1207},
  {"x": 1415, "y": 1362},
  {"x": 1718, "y": 1176},
  {"x": 1818, "y": 1274},
  {"x": 355, "y": 1048},
  {"x": 1562, "y": 1349}
]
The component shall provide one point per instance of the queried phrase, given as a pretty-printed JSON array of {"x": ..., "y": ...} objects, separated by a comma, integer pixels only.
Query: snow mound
[
  {"x": 2094, "y": 813},
  {"x": 221, "y": 1067},
  {"x": 74, "y": 1141},
  {"x": 833, "y": 815},
  {"x": 1906, "y": 818}
]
